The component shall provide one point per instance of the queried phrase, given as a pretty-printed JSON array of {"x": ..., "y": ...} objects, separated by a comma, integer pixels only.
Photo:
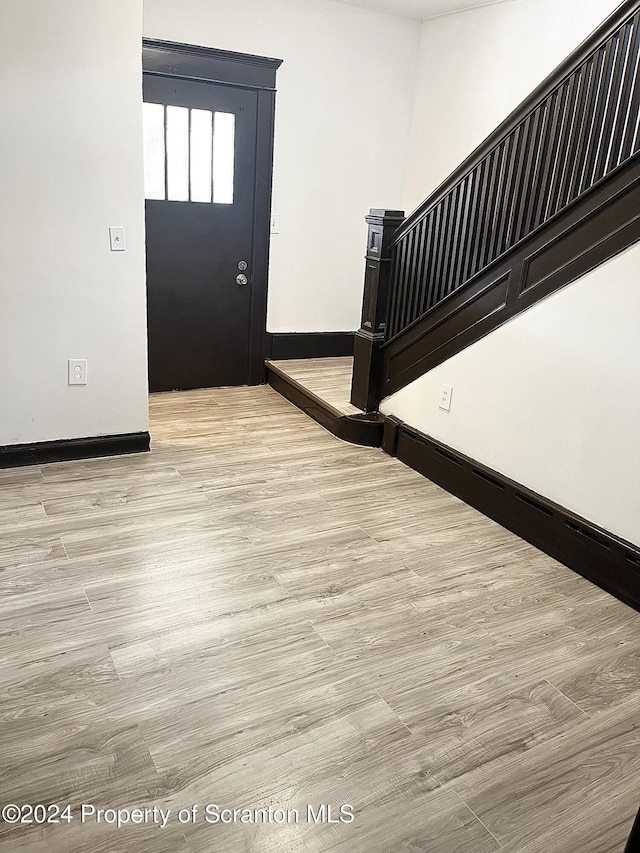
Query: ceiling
[{"x": 422, "y": 9}]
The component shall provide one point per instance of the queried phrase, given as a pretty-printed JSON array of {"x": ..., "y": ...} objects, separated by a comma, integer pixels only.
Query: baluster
[
  {"x": 611, "y": 117},
  {"x": 632, "y": 75}
]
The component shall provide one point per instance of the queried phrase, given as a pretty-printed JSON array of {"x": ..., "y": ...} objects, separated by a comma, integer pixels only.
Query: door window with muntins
[{"x": 189, "y": 154}]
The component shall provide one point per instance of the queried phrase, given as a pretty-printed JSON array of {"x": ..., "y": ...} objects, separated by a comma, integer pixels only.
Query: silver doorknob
[{"x": 241, "y": 279}]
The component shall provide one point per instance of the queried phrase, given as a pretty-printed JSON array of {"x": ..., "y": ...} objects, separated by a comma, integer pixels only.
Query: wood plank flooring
[
  {"x": 257, "y": 615},
  {"x": 327, "y": 378}
]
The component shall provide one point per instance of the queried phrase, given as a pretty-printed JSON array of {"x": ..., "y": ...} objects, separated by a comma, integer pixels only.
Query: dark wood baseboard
[
  {"x": 41, "y": 452},
  {"x": 633, "y": 842},
  {"x": 606, "y": 560},
  {"x": 364, "y": 429},
  {"x": 284, "y": 345},
  {"x": 390, "y": 435}
]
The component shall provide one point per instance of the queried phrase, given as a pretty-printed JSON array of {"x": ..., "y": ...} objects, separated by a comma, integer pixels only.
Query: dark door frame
[{"x": 240, "y": 70}]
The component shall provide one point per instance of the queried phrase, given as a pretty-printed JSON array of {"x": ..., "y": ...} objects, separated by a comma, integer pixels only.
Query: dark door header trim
[{"x": 175, "y": 59}]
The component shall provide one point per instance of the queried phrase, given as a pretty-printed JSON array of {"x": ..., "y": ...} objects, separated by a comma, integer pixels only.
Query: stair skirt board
[
  {"x": 365, "y": 429},
  {"x": 603, "y": 558}
]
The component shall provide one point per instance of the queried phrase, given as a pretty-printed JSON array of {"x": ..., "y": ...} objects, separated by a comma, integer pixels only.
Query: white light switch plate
[
  {"x": 275, "y": 223},
  {"x": 116, "y": 238}
]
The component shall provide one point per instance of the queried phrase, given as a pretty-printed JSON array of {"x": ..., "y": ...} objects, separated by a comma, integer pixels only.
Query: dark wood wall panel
[
  {"x": 606, "y": 221},
  {"x": 445, "y": 328}
]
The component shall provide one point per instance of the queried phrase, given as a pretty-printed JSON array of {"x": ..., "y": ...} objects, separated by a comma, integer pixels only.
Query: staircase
[{"x": 552, "y": 193}]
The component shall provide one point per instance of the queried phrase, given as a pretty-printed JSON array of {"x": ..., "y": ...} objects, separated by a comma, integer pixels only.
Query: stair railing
[{"x": 577, "y": 130}]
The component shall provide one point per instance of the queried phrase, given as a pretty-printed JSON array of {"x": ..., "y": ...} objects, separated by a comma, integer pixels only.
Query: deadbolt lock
[
  {"x": 241, "y": 279},
  {"x": 242, "y": 265}
]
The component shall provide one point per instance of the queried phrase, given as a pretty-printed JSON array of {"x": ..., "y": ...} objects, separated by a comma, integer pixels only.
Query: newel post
[{"x": 366, "y": 384}]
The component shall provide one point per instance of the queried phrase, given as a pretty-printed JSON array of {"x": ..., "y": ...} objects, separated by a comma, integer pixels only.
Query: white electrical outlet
[
  {"x": 77, "y": 368},
  {"x": 275, "y": 223},
  {"x": 445, "y": 398}
]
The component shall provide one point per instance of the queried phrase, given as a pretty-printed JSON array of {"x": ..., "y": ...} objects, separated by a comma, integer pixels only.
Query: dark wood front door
[{"x": 207, "y": 216}]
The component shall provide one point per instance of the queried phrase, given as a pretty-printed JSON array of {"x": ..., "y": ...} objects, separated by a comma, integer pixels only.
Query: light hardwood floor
[
  {"x": 256, "y": 614},
  {"x": 327, "y": 378}
]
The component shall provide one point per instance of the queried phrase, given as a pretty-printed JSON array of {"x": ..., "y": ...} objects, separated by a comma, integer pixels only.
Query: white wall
[
  {"x": 70, "y": 155},
  {"x": 343, "y": 111},
  {"x": 552, "y": 398},
  {"x": 475, "y": 67}
]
